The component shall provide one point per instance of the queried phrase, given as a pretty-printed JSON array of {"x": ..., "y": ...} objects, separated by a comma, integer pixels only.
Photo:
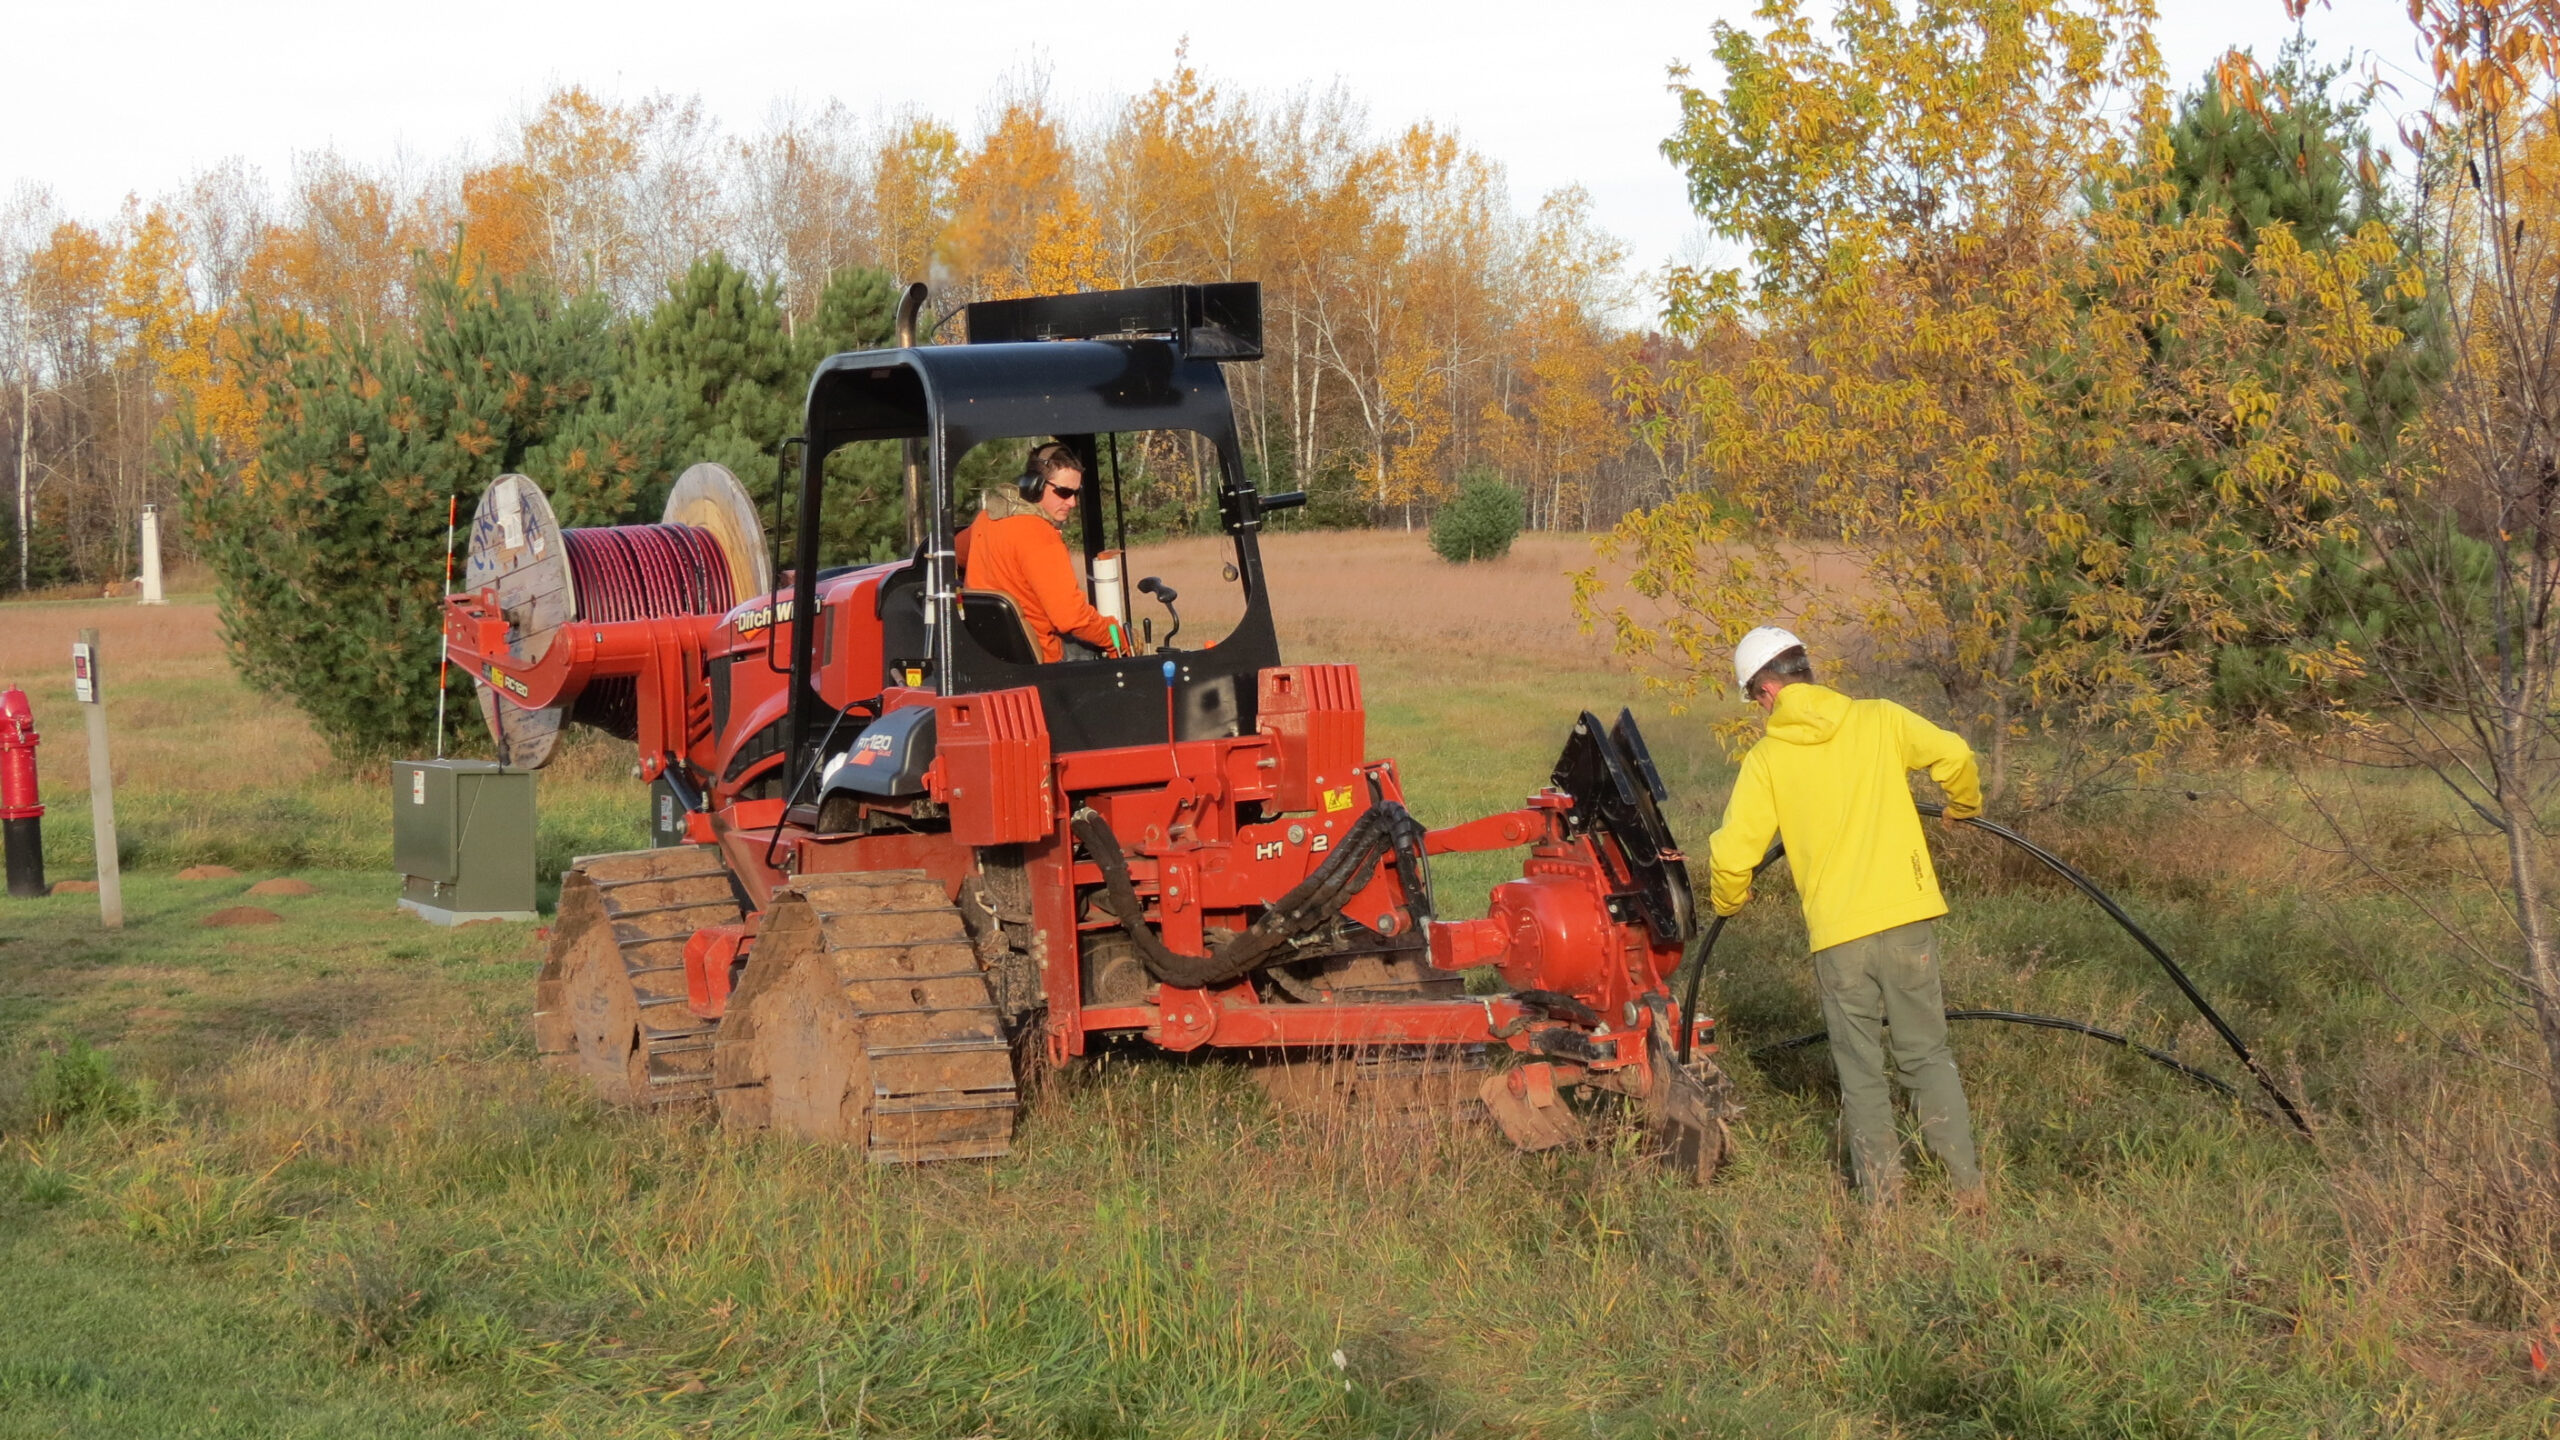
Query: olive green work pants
[{"x": 1880, "y": 990}]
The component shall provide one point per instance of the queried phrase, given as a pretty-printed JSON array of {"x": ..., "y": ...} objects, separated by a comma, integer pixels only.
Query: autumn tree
[
  {"x": 24, "y": 222},
  {"x": 1992, "y": 397},
  {"x": 911, "y": 194},
  {"x": 2468, "y": 533},
  {"x": 329, "y": 571},
  {"x": 1417, "y": 323},
  {"x": 807, "y": 207},
  {"x": 1018, "y": 225},
  {"x": 1551, "y": 420},
  {"x": 343, "y": 255}
]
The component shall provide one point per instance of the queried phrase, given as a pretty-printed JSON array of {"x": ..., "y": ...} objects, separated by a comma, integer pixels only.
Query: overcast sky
[{"x": 104, "y": 99}]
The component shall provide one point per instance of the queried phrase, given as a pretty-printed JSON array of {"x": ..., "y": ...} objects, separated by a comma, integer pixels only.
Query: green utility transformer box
[{"x": 462, "y": 839}]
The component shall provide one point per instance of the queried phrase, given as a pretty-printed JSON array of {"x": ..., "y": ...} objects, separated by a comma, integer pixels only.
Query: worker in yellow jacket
[{"x": 1830, "y": 777}]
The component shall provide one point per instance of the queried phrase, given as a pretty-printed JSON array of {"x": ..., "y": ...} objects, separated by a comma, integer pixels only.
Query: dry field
[{"x": 310, "y": 1181}]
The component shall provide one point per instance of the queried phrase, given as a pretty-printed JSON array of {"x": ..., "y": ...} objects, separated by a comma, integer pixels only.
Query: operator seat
[
  {"x": 996, "y": 623},
  {"x": 991, "y": 617}
]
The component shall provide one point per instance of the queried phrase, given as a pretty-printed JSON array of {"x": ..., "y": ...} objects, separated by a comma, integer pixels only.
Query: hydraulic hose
[
  {"x": 2086, "y": 886},
  {"x": 1381, "y": 829}
]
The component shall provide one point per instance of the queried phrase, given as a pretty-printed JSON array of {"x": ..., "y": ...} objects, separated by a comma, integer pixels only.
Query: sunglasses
[{"x": 1066, "y": 492}]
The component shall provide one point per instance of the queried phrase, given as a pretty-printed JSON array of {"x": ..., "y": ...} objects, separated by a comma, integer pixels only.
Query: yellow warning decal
[{"x": 1337, "y": 799}]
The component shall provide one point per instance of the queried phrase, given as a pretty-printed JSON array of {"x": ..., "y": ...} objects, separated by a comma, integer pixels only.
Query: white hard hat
[{"x": 1759, "y": 648}]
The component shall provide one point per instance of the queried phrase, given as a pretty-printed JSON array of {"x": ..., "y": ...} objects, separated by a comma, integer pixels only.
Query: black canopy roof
[{"x": 989, "y": 392}]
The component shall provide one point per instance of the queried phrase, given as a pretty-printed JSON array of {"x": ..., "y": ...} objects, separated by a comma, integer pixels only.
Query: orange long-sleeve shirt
[{"x": 1025, "y": 557}]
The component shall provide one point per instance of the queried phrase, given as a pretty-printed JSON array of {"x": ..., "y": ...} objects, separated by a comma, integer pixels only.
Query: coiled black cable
[
  {"x": 2177, "y": 975},
  {"x": 2041, "y": 1022}
]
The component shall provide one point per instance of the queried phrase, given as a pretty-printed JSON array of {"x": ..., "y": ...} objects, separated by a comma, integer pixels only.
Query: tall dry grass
[{"x": 351, "y": 1147}]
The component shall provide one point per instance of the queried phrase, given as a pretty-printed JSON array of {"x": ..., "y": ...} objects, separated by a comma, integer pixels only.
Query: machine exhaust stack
[{"x": 912, "y": 451}]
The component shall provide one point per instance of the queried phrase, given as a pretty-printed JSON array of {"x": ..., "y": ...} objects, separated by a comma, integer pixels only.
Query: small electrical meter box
[{"x": 462, "y": 839}]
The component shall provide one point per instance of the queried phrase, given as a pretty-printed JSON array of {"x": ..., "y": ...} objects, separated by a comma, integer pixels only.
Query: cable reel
[{"x": 702, "y": 558}]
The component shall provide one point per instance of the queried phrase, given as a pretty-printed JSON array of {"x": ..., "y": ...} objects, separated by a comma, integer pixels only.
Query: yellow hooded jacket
[{"x": 1831, "y": 777}]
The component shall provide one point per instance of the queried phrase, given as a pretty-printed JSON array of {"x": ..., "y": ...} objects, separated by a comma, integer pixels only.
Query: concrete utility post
[
  {"x": 91, "y": 693},
  {"x": 151, "y": 556}
]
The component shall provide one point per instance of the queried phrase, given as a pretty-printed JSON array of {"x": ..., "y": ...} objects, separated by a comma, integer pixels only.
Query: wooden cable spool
[
  {"x": 705, "y": 556},
  {"x": 708, "y": 497}
]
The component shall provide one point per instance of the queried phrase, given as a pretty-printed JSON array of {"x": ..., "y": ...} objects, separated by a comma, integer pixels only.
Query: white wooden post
[
  {"x": 151, "y": 556},
  {"x": 86, "y": 688}
]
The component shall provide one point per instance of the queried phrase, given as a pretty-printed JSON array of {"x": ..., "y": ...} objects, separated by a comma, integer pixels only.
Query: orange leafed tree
[
  {"x": 504, "y": 230},
  {"x": 1006, "y": 205}
]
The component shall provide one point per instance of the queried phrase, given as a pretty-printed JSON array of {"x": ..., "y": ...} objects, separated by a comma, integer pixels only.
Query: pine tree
[
  {"x": 2302, "y": 158},
  {"x": 1480, "y": 523},
  {"x": 329, "y": 569},
  {"x": 718, "y": 365},
  {"x": 330, "y": 565},
  {"x": 2297, "y": 157}
]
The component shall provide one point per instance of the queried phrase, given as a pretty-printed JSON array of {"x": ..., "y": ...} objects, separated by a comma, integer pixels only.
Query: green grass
[
  {"x": 330, "y": 820},
  {"x": 319, "y": 1183}
]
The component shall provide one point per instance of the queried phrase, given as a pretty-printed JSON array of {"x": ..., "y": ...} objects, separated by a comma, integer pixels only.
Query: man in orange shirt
[{"x": 1018, "y": 544}]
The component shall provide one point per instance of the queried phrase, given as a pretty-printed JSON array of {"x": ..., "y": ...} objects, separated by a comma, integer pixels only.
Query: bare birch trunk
[{"x": 26, "y": 511}]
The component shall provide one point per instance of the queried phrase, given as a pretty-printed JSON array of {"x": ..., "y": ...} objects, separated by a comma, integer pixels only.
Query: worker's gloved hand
[{"x": 1952, "y": 816}]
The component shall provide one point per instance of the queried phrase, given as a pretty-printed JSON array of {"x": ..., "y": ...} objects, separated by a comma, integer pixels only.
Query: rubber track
[
  {"x": 940, "y": 1068},
  {"x": 652, "y": 901}
]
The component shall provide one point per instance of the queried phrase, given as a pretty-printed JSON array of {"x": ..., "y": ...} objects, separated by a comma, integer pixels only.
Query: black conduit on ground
[
  {"x": 2115, "y": 912},
  {"x": 2041, "y": 1022}
]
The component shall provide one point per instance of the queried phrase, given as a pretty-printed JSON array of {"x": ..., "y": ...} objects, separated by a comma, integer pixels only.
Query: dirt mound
[
  {"x": 243, "y": 915},
  {"x": 286, "y": 885},
  {"x": 208, "y": 872},
  {"x": 75, "y": 887}
]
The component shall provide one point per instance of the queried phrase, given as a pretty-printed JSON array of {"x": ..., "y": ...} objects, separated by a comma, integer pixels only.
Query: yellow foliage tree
[
  {"x": 1553, "y": 425},
  {"x": 2067, "y": 469},
  {"x": 911, "y": 192},
  {"x": 1065, "y": 255},
  {"x": 1006, "y": 204}
]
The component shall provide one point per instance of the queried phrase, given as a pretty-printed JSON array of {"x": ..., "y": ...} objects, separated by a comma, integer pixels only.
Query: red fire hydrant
[{"x": 21, "y": 813}]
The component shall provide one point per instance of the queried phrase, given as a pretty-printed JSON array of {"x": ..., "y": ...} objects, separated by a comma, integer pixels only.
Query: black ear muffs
[{"x": 1030, "y": 483}]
